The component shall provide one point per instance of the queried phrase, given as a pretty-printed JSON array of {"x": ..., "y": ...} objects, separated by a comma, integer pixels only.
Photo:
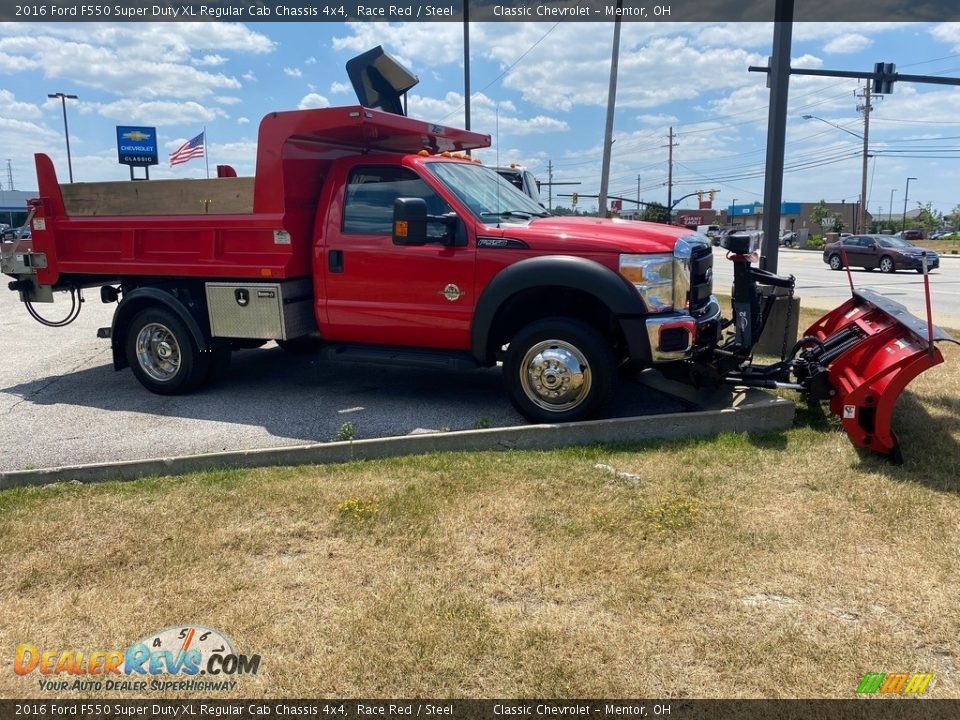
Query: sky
[{"x": 539, "y": 89}]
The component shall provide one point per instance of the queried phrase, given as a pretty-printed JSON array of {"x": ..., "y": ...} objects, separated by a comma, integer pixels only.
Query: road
[
  {"x": 61, "y": 402},
  {"x": 820, "y": 287}
]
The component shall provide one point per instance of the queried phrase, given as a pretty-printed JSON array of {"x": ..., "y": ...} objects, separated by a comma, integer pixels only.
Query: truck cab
[{"x": 523, "y": 180}]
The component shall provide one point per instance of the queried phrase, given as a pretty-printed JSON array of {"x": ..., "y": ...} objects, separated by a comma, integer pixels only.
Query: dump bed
[{"x": 229, "y": 227}]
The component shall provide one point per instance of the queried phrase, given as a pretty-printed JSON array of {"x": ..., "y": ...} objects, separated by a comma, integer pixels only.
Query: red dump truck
[{"x": 366, "y": 231}]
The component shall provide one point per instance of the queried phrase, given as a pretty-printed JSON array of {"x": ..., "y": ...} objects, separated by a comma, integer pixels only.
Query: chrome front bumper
[{"x": 675, "y": 336}]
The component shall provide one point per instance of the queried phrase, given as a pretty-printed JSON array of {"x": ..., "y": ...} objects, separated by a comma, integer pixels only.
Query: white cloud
[
  {"x": 293, "y": 72},
  {"x": 228, "y": 100},
  {"x": 847, "y": 44},
  {"x": 310, "y": 61},
  {"x": 11, "y": 107},
  {"x": 117, "y": 70},
  {"x": 210, "y": 60},
  {"x": 158, "y": 112},
  {"x": 947, "y": 33},
  {"x": 661, "y": 119},
  {"x": 484, "y": 115},
  {"x": 313, "y": 100},
  {"x": 249, "y": 76},
  {"x": 339, "y": 88},
  {"x": 412, "y": 43},
  {"x": 243, "y": 121}
]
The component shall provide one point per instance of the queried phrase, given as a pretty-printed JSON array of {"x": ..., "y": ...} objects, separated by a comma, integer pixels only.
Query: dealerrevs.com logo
[{"x": 189, "y": 657}]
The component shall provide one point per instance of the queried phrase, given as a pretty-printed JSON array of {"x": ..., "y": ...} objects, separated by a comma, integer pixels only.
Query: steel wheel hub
[
  {"x": 555, "y": 376},
  {"x": 158, "y": 352}
]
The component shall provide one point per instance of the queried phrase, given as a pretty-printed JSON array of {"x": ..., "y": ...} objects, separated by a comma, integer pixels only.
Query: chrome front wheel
[
  {"x": 555, "y": 375},
  {"x": 559, "y": 370}
]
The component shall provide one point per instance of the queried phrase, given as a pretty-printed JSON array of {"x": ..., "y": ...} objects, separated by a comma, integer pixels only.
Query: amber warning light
[{"x": 400, "y": 228}]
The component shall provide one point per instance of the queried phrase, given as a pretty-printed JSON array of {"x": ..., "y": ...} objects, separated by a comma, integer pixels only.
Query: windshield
[
  {"x": 485, "y": 193},
  {"x": 894, "y": 242}
]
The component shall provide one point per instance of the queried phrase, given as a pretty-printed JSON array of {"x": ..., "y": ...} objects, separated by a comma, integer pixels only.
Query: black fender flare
[
  {"x": 142, "y": 297},
  {"x": 577, "y": 273}
]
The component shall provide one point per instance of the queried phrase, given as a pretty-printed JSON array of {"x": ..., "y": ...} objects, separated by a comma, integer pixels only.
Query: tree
[
  {"x": 824, "y": 217},
  {"x": 928, "y": 218},
  {"x": 955, "y": 217},
  {"x": 655, "y": 212}
]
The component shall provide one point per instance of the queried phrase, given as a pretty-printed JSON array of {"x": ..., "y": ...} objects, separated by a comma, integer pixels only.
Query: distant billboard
[{"x": 137, "y": 146}]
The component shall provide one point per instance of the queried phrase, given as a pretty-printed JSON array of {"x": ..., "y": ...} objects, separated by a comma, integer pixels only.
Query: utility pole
[
  {"x": 550, "y": 185},
  {"x": 670, "y": 176},
  {"x": 466, "y": 72},
  {"x": 611, "y": 107},
  {"x": 9, "y": 175},
  {"x": 466, "y": 66},
  {"x": 866, "y": 107}
]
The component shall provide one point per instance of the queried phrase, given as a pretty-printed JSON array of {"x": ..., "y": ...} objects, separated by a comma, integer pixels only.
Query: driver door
[{"x": 381, "y": 293}]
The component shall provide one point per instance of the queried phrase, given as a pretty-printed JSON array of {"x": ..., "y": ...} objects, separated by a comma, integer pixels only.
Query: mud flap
[{"x": 872, "y": 347}]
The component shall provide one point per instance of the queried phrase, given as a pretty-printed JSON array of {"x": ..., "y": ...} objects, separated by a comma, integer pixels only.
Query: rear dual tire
[{"x": 165, "y": 357}]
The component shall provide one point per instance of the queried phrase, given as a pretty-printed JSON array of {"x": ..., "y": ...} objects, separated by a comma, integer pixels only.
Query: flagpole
[{"x": 206, "y": 151}]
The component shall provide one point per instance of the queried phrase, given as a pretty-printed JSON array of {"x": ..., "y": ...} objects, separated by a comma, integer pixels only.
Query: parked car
[
  {"x": 11, "y": 233},
  {"x": 788, "y": 238},
  {"x": 886, "y": 252}
]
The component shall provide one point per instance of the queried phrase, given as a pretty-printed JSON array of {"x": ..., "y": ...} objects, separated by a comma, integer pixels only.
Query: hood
[{"x": 584, "y": 234}]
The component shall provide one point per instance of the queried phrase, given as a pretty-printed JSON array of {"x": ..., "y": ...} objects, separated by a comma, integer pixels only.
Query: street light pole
[
  {"x": 862, "y": 214},
  {"x": 892, "y": 191},
  {"x": 66, "y": 130},
  {"x": 906, "y": 194}
]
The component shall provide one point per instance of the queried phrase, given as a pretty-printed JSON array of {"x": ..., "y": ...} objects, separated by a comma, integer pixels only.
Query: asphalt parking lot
[{"x": 62, "y": 403}]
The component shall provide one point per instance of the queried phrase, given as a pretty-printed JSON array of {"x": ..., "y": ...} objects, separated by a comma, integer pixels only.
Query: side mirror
[{"x": 409, "y": 221}]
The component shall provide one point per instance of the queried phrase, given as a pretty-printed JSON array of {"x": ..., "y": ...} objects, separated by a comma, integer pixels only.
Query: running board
[{"x": 422, "y": 358}]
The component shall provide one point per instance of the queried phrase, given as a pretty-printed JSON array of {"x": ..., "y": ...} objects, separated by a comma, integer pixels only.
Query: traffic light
[
  {"x": 699, "y": 195},
  {"x": 883, "y": 80},
  {"x": 712, "y": 193},
  {"x": 574, "y": 198}
]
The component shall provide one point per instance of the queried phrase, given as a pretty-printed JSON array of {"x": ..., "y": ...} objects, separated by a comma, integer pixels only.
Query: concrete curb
[{"x": 745, "y": 411}]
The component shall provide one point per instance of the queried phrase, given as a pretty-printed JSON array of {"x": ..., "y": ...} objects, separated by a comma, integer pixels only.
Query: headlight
[{"x": 652, "y": 276}]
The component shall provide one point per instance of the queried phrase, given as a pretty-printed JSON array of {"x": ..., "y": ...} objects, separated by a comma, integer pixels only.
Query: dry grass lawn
[{"x": 773, "y": 565}]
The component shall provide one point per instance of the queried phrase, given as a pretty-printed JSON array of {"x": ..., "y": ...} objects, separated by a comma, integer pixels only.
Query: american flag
[{"x": 188, "y": 151}]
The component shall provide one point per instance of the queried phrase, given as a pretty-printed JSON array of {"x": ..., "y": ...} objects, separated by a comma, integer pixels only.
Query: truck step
[{"x": 403, "y": 357}]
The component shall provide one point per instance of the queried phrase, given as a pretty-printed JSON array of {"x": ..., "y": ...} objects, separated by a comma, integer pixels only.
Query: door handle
[{"x": 335, "y": 260}]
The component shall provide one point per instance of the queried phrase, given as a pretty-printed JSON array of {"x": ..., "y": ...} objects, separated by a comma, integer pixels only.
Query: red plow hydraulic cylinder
[{"x": 872, "y": 348}]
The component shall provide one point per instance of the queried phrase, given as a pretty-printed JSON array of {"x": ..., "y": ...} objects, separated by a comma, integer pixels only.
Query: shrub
[{"x": 816, "y": 242}]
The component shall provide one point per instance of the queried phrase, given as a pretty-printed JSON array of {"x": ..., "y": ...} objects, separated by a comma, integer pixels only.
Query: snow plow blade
[{"x": 872, "y": 347}]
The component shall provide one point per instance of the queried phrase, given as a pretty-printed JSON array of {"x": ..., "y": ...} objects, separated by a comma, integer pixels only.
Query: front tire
[
  {"x": 163, "y": 355},
  {"x": 559, "y": 370},
  {"x": 835, "y": 262},
  {"x": 887, "y": 265}
]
